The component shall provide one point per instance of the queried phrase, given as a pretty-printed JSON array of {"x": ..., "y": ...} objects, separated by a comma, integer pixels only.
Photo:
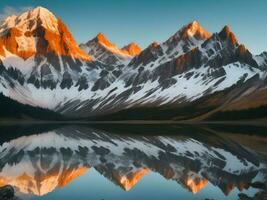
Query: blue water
[
  {"x": 41, "y": 161},
  {"x": 92, "y": 185}
]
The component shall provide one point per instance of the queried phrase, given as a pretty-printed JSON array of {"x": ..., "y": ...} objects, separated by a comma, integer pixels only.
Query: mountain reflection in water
[{"x": 38, "y": 163}]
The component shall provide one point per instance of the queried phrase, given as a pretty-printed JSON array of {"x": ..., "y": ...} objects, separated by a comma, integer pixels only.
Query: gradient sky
[{"x": 144, "y": 21}]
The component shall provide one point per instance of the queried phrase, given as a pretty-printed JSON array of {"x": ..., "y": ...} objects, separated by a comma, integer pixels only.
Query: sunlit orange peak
[
  {"x": 132, "y": 49},
  {"x": 102, "y": 39},
  {"x": 128, "y": 181},
  {"x": 226, "y": 34},
  {"x": 195, "y": 184},
  {"x": 194, "y": 29}
]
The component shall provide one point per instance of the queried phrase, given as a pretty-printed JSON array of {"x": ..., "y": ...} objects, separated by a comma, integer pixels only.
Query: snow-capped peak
[
  {"x": 262, "y": 60},
  {"x": 30, "y": 20},
  {"x": 101, "y": 38},
  {"x": 105, "y": 51},
  {"x": 37, "y": 32},
  {"x": 103, "y": 41},
  {"x": 193, "y": 29},
  {"x": 132, "y": 49}
]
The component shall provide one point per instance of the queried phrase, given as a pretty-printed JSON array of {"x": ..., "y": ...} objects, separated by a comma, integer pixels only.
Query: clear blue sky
[{"x": 144, "y": 21}]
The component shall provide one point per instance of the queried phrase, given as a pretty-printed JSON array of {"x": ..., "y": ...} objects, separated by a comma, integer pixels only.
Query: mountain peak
[
  {"x": 129, "y": 50},
  {"x": 41, "y": 11},
  {"x": 154, "y": 45},
  {"x": 193, "y": 29},
  {"x": 187, "y": 32},
  {"x": 106, "y": 52},
  {"x": 127, "y": 181},
  {"x": 242, "y": 49},
  {"x": 226, "y": 29},
  {"x": 37, "y": 32},
  {"x": 100, "y": 37},
  {"x": 195, "y": 183},
  {"x": 226, "y": 34},
  {"x": 193, "y": 24},
  {"x": 102, "y": 40},
  {"x": 30, "y": 20},
  {"x": 132, "y": 49}
]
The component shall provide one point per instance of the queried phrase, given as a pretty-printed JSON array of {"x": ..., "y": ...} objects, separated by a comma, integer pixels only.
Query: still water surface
[{"x": 132, "y": 161}]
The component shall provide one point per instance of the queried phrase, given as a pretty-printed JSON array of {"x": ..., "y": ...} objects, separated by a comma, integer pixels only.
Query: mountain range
[{"x": 193, "y": 75}]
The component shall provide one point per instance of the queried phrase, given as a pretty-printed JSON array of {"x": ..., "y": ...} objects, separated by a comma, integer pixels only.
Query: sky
[{"x": 145, "y": 21}]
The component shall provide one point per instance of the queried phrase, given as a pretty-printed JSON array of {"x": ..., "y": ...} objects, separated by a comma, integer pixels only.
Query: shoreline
[{"x": 137, "y": 122}]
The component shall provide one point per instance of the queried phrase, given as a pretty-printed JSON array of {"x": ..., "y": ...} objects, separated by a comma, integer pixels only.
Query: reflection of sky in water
[{"x": 92, "y": 185}]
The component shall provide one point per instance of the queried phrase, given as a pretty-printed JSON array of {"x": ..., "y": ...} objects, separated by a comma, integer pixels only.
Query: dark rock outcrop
[{"x": 8, "y": 193}]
